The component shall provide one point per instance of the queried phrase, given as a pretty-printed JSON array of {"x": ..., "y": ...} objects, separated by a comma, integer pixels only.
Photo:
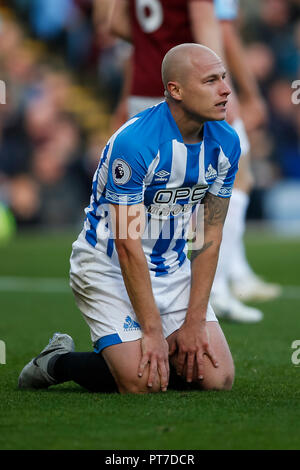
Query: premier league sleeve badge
[{"x": 121, "y": 171}]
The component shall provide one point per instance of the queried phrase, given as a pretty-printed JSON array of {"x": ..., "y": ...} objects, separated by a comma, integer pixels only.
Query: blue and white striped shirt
[{"x": 146, "y": 161}]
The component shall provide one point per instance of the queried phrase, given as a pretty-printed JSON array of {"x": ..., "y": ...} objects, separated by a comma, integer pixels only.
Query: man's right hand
[{"x": 155, "y": 352}]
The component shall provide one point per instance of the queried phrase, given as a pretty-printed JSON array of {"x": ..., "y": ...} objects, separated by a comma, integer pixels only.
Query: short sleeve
[
  {"x": 126, "y": 174},
  {"x": 227, "y": 169},
  {"x": 226, "y": 9}
]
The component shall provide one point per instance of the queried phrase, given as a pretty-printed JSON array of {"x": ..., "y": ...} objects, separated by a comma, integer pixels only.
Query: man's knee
[
  {"x": 218, "y": 382},
  {"x": 123, "y": 360},
  {"x": 138, "y": 385}
]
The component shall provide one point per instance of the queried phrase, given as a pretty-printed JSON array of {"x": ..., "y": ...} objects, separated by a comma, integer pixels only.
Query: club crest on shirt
[{"x": 121, "y": 171}]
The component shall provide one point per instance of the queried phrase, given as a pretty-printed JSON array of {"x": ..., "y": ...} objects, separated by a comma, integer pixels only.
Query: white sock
[
  {"x": 239, "y": 267},
  {"x": 232, "y": 242}
]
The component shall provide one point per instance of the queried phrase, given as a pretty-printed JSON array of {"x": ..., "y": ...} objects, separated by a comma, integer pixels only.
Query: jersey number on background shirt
[{"x": 150, "y": 14}]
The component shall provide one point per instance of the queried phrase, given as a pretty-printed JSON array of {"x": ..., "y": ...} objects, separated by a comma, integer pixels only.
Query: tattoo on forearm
[
  {"x": 215, "y": 209},
  {"x": 196, "y": 253}
]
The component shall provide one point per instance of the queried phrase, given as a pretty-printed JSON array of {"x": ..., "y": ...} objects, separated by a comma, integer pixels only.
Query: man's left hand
[{"x": 192, "y": 343}]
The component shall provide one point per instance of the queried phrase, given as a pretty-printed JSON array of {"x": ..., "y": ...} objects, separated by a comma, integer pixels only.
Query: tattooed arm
[
  {"x": 204, "y": 260},
  {"x": 192, "y": 341}
]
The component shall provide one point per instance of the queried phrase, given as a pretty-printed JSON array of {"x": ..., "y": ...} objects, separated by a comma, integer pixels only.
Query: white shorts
[
  {"x": 137, "y": 104},
  {"x": 239, "y": 127},
  {"x": 102, "y": 298}
]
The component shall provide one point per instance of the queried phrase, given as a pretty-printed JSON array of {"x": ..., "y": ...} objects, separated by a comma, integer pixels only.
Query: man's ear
[{"x": 174, "y": 90}]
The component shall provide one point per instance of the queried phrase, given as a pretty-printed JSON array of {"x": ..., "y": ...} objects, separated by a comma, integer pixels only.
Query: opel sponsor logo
[{"x": 172, "y": 196}]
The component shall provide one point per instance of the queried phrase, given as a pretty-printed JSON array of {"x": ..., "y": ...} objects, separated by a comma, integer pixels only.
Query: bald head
[
  {"x": 195, "y": 87},
  {"x": 181, "y": 61}
]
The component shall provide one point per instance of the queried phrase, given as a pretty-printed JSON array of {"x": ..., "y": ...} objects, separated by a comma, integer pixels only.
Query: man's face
[{"x": 204, "y": 91}]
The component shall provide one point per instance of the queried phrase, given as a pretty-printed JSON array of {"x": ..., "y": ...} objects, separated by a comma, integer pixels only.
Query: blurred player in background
[
  {"x": 153, "y": 26},
  {"x": 237, "y": 273}
]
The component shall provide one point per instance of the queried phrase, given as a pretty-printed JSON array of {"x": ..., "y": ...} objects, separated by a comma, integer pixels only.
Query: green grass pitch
[{"x": 261, "y": 412}]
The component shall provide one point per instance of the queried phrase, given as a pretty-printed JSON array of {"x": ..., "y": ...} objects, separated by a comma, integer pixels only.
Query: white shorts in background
[
  {"x": 102, "y": 298},
  {"x": 239, "y": 127},
  {"x": 137, "y": 104}
]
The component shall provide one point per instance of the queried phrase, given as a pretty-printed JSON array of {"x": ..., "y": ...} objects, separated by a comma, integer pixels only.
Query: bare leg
[
  {"x": 123, "y": 361},
  {"x": 220, "y": 378}
]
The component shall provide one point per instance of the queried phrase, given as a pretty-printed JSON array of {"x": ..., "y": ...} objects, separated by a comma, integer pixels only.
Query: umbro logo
[
  {"x": 130, "y": 324},
  {"x": 161, "y": 175},
  {"x": 210, "y": 173}
]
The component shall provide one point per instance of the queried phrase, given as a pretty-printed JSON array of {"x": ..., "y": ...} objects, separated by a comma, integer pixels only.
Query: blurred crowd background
[{"x": 63, "y": 77}]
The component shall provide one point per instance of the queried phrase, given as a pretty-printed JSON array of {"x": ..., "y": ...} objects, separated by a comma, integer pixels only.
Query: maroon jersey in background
[{"x": 157, "y": 26}]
